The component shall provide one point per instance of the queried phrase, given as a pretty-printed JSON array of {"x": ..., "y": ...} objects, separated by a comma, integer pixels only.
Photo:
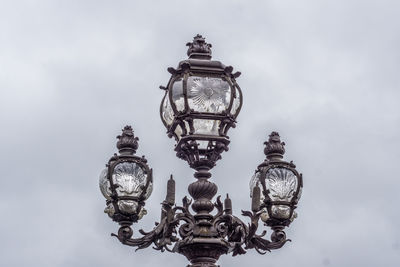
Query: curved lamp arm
[{"x": 178, "y": 220}]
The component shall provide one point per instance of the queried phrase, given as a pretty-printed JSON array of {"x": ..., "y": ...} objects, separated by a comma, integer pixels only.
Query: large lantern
[
  {"x": 276, "y": 185},
  {"x": 127, "y": 181},
  {"x": 201, "y": 104}
]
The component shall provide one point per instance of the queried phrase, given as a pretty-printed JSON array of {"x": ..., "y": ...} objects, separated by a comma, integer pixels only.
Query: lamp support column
[{"x": 206, "y": 247}]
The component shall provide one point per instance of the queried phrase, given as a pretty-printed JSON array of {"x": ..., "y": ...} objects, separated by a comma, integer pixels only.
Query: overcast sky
[{"x": 325, "y": 74}]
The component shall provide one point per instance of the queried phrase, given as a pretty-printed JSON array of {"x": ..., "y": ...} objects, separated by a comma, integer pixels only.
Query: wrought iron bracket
[{"x": 180, "y": 230}]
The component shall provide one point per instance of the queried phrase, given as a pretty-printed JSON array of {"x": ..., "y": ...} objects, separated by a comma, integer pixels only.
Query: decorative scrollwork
[
  {"x": 260, "y": 244},
  {"x": 164, "y": 234},
  {"x": 242, "y": 237},
  {"x": 177, "y": 227},
  {"x": 203, "y": 234}
]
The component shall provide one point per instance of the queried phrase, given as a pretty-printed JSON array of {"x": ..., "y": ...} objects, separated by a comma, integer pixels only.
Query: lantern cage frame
[
  {"x": 274, "y": 152},
  {"x": 127, "y": 145},
  {"x": 200, "y": 65}
]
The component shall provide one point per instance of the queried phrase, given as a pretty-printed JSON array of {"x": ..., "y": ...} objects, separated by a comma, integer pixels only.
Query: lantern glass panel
[
  {"x": 299, "y": 194},
  {"x": 207, "y": 127},
  {"x": 236, "y": 102},
  {"x": 178, "y": 97},
  {"x": 281, "y": 184},
  {"x": 254, "y": 181},
  {"x": 149, "y": 190},
  {"x": 280, "y": 211},
  {"x": 110, "y": 209},
  {"x": 130, "y": 178},
  {"x": 105, "y": 184},
  {"x": 167, "y": 113},
  {"x": 208, "y": 94},
  {"x": 128, "y": 206},
  {"x": 178, "y": 132}
]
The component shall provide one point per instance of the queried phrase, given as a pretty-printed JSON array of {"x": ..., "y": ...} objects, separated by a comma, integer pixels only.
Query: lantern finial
[
  {"x": 127, "y": 142},
  {"x": 274, "y": 147},
  {"x": 199, "y": 48}
]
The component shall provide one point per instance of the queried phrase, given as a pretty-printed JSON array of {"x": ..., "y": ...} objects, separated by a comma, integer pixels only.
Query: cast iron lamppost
[{"x": 201, "y": 103}]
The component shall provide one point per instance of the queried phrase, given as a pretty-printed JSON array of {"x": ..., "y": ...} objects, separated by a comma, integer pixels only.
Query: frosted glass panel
[
  {"x": 280, "y": 211},
  {"x": 109, "y": 210},
  {"x": 130, "y": 178},
  {"x": 149, "y": 190},
  {"x": 177, "y": 95},
  {"x": 178, "y": 131},
  {"x": 209, "y": 127},
  {"x": 128, "y": 206},
  {"x": 105, "y": 184},
  {"x": 299, "y": 194},
  {"x": 281, "y": 183},
  {"x": 253, "y": 183},
  {"x": 167, "y": 112},
  {"x": 236, "y": 102},
  {"x": 207, "y": 94}
]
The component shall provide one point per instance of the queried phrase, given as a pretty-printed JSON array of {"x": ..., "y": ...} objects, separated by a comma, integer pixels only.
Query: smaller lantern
[
  {"x": 276, "y": 185},
  {"x": 127, "y": 181},
  {"x": 201, "y": 103}
]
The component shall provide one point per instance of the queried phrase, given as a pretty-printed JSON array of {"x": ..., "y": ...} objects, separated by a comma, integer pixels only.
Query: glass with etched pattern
[
  {"x": 130, "y": 179},
  {"x": 208, "y": 94}
]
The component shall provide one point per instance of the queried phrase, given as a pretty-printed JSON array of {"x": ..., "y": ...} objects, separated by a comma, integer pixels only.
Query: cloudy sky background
[{"x": 325, "y": 74}]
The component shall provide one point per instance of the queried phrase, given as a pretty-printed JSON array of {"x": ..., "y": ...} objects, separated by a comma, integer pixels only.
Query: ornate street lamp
[{"x": 201, "y": 103}]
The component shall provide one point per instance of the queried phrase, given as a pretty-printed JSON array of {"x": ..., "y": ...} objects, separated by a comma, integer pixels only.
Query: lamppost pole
[{"x": 201, "y": 103}]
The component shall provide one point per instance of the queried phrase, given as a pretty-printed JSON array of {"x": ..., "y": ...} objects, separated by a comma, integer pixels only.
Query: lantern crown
[
  {"x": 199, "y": 48},
  {"x": 274, "y": 148},
  {"x": 127, "y": 142}
]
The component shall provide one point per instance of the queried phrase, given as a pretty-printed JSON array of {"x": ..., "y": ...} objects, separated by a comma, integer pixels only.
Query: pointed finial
[
  {"x": 170, "y": 198},
  {"x": 255, "y": 198},
  {"x": 228, "y": 204},
  {"x": 199, "y": 48},
  {"x": 274, "y": 148},
  {"x": 127, "y": 142}
]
